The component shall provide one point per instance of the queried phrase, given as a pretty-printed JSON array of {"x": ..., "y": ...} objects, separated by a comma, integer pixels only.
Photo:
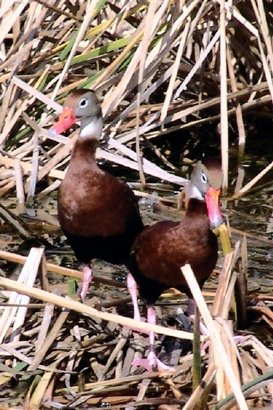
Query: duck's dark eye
[
  {"x": 204, "y": 178},
  {"x": 83, "y": 102}
]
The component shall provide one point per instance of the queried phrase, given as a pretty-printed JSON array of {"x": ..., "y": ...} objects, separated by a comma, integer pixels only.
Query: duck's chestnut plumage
[
  {"x": 97, "y": 212},
  {"x": 160, "y": 250}
]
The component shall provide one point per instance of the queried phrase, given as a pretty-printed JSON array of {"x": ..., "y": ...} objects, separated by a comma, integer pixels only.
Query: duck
[
  {"x": 98, "y": 213},
  {"x": 160, "y": 250}
]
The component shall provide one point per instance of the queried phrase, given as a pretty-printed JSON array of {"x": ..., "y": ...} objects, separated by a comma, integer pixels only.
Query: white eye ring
[
  {"x": 204, "y": 178},
  {"x": 83, "y": 102}
]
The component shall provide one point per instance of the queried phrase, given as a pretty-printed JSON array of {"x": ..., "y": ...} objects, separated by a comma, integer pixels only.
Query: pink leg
[
  {"x": 132, "y": 289},
  {"x": 152, "y": 362},
  {"x": 87, "y": 279},
  {"x": 204, "y": 330}
]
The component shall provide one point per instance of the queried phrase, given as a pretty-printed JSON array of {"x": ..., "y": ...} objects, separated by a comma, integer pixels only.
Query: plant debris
[{"x": 175, "y": 79}]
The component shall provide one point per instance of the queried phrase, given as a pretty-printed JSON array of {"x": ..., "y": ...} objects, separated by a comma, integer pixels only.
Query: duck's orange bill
[
  {"x": 212, "y": 201},
  {"x": 66, "y": 119}
]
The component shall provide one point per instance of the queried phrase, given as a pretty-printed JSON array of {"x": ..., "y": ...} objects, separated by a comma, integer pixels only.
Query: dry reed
[
  {"x": 158, "y": 68},
  {"x": 47, "y": 50}
]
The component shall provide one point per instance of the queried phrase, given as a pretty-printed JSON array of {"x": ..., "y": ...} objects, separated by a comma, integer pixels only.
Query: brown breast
[
  {"x": 96, "y": 210},
  {"x": 92, "y": 201},
  {"x": 161, "y": 249}
]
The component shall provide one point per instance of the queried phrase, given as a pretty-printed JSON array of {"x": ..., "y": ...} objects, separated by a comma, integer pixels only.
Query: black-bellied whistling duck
[
  {"x": 160, "y": 250},
  {"x": 97, "y": 212}
]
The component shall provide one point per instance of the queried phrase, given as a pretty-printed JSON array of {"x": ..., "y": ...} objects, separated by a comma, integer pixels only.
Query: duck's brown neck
[
  {"x": 84, "y": 148},
  {"x": 197, "y": 209}
]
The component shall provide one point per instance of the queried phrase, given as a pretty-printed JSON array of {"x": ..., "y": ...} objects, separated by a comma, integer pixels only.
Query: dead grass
[
  {"x": 157, "y": 67},
  {"x": 71, "y": 353}
]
